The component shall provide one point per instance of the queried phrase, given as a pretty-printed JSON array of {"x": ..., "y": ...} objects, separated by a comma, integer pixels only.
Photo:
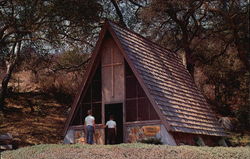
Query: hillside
[
  {"x": 130, "y": 151},
  {"x": 33, "y": 118},
  {"x": 38, "y": 118}
]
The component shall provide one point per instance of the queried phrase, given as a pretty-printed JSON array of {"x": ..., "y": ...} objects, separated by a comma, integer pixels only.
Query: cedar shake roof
[
  {"x": 166, "y": 82},
  {"x": 170, "y": 85}
]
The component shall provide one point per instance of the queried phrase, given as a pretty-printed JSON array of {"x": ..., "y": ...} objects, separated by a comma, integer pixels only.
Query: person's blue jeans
[{"x": 90, "y": 132}]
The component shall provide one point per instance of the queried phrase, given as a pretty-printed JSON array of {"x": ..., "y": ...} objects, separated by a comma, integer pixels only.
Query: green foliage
[
  {"x": 51, "y": 22},
  {"x": 152, "y": 140},
  {"x": 239, "y": 139}
]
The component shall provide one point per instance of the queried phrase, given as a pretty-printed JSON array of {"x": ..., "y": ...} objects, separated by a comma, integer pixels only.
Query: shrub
[{"x": 152, "y": 140}]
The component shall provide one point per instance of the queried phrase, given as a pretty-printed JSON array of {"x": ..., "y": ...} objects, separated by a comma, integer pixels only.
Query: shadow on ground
[{"x": 33, "y": 118}]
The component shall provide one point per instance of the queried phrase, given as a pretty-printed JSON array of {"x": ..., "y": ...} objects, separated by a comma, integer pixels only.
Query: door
[{"x": 117, "y": 111}]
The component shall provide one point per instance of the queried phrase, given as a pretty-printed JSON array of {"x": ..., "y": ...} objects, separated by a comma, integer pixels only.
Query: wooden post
[{"x": 112, "y": 70}]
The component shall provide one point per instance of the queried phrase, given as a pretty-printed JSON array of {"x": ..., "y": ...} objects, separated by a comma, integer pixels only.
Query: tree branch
[
  {"x": 75, "y": 39},
  {"x": 118, "y": 12},
  {"x": 135, "y": 3},
  {"x": 3, "y": 2},
  {"x": 218, "y": 55},
  {"x": 71, "y": 67}
]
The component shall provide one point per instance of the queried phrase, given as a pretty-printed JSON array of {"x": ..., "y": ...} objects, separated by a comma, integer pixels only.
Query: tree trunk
[
  {"x": 5, "y": 82},
  {"x": 243, "y": 50},
  {"x": 118, "y": 12},
  {"x": 189, "y": 61},
  {"x": 10, "y": 65}
]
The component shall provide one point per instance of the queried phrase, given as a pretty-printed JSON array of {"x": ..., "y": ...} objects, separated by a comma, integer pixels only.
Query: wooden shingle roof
[{"x": 169, "y": 84}]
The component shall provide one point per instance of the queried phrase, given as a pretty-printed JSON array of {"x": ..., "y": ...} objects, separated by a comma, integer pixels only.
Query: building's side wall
[{"x": 194, "y": 139}]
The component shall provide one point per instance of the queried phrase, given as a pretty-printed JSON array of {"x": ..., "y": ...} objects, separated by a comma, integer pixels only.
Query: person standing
[
  {"x": 90, "y": 126},
  {"x": 111, "y": 124}
]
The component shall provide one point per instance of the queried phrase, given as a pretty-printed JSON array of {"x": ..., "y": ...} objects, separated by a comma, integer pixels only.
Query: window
[
  {"x": 92, "y": 100},
  {"x": 138, "y": 107},
  {"x": 131, "y": 110}
]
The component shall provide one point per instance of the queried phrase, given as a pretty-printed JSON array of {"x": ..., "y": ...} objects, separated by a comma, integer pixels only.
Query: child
[{"x": 111, "y": 124}]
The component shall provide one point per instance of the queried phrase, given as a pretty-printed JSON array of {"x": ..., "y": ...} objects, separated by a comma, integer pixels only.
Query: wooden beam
[
  {"x": 112, "y": 67},
  {"x": 113, "y": 64}
]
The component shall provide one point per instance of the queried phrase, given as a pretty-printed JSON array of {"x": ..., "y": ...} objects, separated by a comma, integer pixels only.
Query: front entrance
[{"x": 117, "y": 111}]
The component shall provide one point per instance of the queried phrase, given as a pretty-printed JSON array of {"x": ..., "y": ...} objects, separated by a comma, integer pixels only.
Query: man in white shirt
[
  {"x": 90, "y": 126},
  {"x": 111, "y": 124}
]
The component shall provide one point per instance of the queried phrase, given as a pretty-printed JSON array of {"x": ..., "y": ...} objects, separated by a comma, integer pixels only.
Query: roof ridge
[{"x": 137, "y": 34}]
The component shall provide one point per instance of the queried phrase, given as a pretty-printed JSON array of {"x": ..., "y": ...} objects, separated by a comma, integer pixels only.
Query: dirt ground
[{"x": 33, "y": 118}]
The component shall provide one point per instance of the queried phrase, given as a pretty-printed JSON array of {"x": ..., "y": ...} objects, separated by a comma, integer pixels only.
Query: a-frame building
[{"x": 147, "y": 89}]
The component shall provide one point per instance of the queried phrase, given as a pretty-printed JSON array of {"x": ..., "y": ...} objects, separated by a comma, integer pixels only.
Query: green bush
[{"x": 153, "y": 140}]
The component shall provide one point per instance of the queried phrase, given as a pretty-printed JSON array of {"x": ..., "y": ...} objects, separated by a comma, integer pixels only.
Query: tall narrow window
[
  {"x": 138, "y": 107},
  {"x": 91, "y": 100}
]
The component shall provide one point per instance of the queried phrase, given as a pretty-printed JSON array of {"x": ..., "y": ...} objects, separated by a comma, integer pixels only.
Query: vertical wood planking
[{"x": 112, "y": 73}]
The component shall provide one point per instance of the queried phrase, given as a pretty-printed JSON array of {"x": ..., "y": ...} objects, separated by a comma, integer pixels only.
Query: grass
[{"x": 60, "y": 151}]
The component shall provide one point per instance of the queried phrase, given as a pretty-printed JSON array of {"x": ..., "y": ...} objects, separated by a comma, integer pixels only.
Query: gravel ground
[{"x": 128, "y": 151}]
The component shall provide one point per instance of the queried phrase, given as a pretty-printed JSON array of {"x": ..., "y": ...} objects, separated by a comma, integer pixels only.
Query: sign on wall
[
  {"x": 136, "y": 133},
  {"x": 151, "y": 130}
]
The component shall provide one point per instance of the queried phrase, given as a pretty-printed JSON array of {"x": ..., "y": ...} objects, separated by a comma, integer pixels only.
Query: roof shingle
[{"x": 170, "y": 84}]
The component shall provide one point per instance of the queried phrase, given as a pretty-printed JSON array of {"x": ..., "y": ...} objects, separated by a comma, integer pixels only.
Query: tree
[
  {"x": 43, "y": 25},
  {"x": 178, "y": 21},
  {"x": 230, "y": 22},
  {"x": 214, "y": 36},
  {"x": 188, "y": 23},
  {"x": 125, "y": 12}
]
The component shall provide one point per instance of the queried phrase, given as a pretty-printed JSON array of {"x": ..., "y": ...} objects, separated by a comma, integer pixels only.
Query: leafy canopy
[{"x": 53, "y": 22}]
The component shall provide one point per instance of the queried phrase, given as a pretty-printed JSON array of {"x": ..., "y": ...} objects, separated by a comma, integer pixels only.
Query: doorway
[{"x": 117, "y": 111}]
